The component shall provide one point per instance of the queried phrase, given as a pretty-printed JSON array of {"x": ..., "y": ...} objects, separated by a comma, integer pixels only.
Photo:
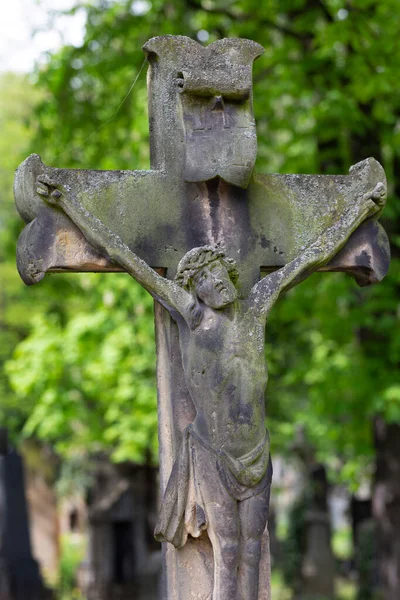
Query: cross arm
[
  {"x": 171, "y": 296},
  {"x": 289, "y": 212},
  {"x": 264, "y": 293},
  {"x": 141, "y": 207}
]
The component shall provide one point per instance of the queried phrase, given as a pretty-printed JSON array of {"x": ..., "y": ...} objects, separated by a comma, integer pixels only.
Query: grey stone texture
[{"x": 201, "y": 193}]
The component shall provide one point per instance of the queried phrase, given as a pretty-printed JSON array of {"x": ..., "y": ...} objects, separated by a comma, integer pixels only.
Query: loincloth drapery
[{"x": 183, "y": 511}]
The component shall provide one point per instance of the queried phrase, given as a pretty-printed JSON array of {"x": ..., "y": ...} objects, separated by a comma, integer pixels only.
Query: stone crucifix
[{"x": 197, "y": 231}]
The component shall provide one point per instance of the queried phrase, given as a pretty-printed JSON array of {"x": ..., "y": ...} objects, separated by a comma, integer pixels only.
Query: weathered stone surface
[
  {"x": 262, "y": 227},
  {"x": 201, "y": 193},
  {"x": 221, "y": 476}
]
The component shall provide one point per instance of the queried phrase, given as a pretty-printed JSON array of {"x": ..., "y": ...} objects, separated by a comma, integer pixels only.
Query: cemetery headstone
[
  {"x": 20, "y": 578},
  {"x": 121, "y": 563},
  {"x": 318, "y": 568}
]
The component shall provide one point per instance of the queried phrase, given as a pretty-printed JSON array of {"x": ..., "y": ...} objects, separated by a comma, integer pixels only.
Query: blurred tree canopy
[{"x": 325, "y": 96}]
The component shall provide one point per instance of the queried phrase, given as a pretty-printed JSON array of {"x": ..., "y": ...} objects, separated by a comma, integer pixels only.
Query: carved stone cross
[{"x": 201, "y": 192}]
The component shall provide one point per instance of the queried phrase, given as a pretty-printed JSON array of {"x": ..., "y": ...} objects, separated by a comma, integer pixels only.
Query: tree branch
[
  {"x": 243, "y": 18},
  {"x": 326, "y": 12}
]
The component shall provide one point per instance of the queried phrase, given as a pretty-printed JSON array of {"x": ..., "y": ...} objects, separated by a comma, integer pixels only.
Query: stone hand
[
  {"x": 376, "y": 197},
  {"x": 49, "y": 189}
]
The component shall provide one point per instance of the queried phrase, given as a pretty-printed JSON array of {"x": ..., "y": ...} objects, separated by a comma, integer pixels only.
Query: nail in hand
[{"x": 42, "y": 191}]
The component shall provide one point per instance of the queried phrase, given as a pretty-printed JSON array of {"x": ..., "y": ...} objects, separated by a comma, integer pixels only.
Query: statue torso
[{"x": 226, "y": 374}]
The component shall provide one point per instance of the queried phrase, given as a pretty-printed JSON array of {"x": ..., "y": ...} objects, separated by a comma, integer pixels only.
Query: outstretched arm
[
  {"x": 171, "y": 296},
  {"x": 265, "y": 293}
]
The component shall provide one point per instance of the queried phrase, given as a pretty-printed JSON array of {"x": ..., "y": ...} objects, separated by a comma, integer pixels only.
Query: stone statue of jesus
[{"x": 222, "y": 473}]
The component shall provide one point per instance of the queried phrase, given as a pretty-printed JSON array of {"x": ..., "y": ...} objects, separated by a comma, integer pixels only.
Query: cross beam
[
  {"x": 262, "y": 227},
  {"x": 201, "y": 127}
]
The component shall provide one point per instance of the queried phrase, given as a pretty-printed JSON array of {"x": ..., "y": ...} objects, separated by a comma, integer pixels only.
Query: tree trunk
[{"x": 386, "y": 505}]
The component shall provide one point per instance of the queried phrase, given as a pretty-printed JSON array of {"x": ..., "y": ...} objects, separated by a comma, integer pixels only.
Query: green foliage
[
  {"x": 340, "y": 371},
  {"x": 325, "y": 97},
  {"x": 17, "y": 100},
  {"x": 91, "y": 377},
  {"x": 72, "y": 554},
  {"x": 342, "y": 543},
  {"x": 278, "y": 588},
  {"x": 18, "y": 97}
]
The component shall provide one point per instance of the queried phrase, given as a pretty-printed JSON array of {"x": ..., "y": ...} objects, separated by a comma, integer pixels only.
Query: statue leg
[
  {"x": 223, "y": 531},
  {"x": 222, "y": 524},
  {"x": 253, "y": 516}
]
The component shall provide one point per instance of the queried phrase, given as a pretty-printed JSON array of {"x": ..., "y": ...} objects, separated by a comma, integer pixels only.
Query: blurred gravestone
[
  {"x": 19, "y": 573},
  {"x": 365, "y": 548},
  {"x": 319, "y": 563},
  {"x": 313, "y": 577},
  {"x": 123, "y": 560}
]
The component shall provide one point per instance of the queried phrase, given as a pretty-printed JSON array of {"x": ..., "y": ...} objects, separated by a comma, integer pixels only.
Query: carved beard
[{"x": 221, "y": 139}]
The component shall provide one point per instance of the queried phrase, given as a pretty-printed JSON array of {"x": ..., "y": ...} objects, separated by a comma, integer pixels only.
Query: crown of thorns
[{"x": 197, "y": 258}]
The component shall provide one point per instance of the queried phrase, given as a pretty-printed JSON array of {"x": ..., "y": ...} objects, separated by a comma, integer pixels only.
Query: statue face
[{"x": 214, "y": 286}]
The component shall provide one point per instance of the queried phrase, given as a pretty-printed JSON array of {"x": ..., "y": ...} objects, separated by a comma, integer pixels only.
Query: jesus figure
[{"x": 222, "y": 473}]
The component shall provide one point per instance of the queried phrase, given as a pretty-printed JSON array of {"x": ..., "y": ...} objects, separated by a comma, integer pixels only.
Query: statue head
[{"x": 208, "y": 273}]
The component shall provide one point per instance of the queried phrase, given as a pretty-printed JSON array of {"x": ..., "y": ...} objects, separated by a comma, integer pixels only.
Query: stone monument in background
[
  {"x": 198, "y": 231},
  {"x": 20, "y": 577}
]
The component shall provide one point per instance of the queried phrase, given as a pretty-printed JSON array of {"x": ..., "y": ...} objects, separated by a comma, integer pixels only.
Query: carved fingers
[
  {"x": 372, "y": 202},
  {"x": 379, "y": 194},
  {"x": 49, "y": 189},
  {"x": 376, "y": 197}
]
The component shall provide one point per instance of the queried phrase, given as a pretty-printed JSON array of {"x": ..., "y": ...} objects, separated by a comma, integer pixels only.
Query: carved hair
[{"x": 197, "y": 258}]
